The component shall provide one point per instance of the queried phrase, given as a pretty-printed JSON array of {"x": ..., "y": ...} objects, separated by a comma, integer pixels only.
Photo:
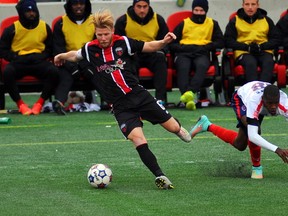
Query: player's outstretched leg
[
  {"x": 163, "y": 182},
  {"x": 201, "y": 126}
]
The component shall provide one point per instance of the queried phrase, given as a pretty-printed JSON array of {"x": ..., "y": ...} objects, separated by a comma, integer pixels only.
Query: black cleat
[{"x": 58, "y": 107}]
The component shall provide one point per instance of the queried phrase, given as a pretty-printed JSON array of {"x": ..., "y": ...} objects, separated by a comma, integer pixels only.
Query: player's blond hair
[{"x": 103, "y": 19}]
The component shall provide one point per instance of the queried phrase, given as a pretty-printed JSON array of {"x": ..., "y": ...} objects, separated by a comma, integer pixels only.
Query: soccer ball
[{"x": 99, "y": 176}]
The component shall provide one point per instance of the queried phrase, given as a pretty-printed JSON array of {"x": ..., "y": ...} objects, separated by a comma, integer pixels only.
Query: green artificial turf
[{"x": 44, "y": 162}]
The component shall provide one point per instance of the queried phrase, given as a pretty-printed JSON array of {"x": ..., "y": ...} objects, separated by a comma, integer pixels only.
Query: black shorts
[{"x": 136, "y": 106}]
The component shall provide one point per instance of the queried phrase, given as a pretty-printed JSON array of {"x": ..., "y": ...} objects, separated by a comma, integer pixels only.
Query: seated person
[
  {"x": 71, "y": 32},
  {"x": 282, "y": 26},
  {"x": 27, "y": 44},
  {"x": 196, "y": 37},
  {"x": 253, "y": 37}
]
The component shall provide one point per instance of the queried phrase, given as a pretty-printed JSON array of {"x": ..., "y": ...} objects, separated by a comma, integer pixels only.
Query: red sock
[
  {"x": 19, "y": 103},
  {"x": 40, "y": 101},
  {"x": 224, "y": 134},
  {"x": 255, "y": 153}
]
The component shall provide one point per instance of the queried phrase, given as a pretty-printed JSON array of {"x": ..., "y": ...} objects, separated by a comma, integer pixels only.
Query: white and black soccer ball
[{"x": 99, "y": 176}]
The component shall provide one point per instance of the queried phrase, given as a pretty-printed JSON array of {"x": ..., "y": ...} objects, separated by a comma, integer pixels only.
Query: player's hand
[
  {"x": 169, "y": 37},
  {"x": 58, "y": 61},
  {"x": 283, "y": 154}
]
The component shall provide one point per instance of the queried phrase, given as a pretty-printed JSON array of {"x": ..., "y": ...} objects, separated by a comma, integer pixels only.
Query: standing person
[
  {"x": 196, "y": 37},
  {"x": 253, "y": 37},
  {"x": 111, "y": 55},
  {"x": 282, "y": 25},
  {"x": 71, "y": 32},
  {"x": 141, "y": 23},
  {"x": 251, "y": 103},
  {"x": 27, "y": 44}
]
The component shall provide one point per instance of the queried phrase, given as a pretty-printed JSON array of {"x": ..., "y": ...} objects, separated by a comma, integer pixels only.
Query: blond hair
[
  {"x": 243, "y": 1},
  {"x": 103, "y": 19}
]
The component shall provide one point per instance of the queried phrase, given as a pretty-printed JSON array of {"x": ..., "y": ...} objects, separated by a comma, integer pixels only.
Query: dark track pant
[
  {"x": 251, "y": 62},
  {"x": 184, "y": 65},
  {"x": 44, "y": 71}
]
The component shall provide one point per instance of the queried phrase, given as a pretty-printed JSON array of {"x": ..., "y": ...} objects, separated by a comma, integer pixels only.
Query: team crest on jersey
[
  {"x": 119, "y": 51},
  {"x": 119, "y": 64},
  {"x": 243, "y": 108}
]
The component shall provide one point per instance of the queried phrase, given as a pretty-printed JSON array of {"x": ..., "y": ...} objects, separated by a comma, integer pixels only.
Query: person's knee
[
  {"x": 9, "y": 73},
  {"x": 240, "y": 146},
  {"x": 52, "y": 72}
]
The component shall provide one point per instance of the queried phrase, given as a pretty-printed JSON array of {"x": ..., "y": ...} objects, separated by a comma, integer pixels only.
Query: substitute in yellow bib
[
  {"x": 72, "y": 31},
  {"x": 141, "y": 23},
  {"x": 196, "y": 37},
  {"x": 27, "y": 45},
  {"x": 253, "y": 37}
]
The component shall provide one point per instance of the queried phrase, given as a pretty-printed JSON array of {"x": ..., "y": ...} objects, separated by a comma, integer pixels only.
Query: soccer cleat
[
  {"x": 187, "y": 96},
  {"x": 58, "y": 107},
  {"x": 257, "y": 172},
  {"x": 25, "y": 110},
  {"x": 184, "y": 135},
  {"x": 201, "y": 126},
  {"x": 163, "y": 182},
  {"x": 36, "y": 109},
  {"x": 191, "y": 105}
]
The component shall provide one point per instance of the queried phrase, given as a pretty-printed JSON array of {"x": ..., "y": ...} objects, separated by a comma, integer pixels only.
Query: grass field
[{"x": 44, "y": 162}]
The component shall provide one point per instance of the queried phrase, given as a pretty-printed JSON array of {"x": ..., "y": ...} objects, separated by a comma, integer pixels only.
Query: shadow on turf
[{"x": 232, "y": 169}]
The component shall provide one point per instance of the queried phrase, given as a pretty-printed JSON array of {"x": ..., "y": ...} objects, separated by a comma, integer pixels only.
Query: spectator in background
[
  {"x": 27, "y": 44},
  {"x": 196, "y": 37},
  {"x": 282, "y": 25},
  {"x": 71, "y": 32},
  {"x": 253, "y": 37},
  {"x": 141, "y": 23}
]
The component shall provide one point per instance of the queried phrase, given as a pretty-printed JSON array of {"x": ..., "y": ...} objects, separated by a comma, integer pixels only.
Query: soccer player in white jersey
[{"x": 251, "y": 103}]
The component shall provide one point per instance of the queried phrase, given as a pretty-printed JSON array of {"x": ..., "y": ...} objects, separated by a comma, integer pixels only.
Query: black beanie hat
[
  {"x": 26, "y": 5},
  {"x": 136, "y": 1},
  {"x": 201, "y": 3}
]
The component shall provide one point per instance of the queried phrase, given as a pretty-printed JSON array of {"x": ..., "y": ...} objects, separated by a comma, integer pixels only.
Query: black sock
[{"x": 149, "y": 159}]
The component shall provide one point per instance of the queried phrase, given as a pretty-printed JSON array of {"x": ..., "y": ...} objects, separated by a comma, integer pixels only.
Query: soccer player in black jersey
[{"x": 111, "y": 56}]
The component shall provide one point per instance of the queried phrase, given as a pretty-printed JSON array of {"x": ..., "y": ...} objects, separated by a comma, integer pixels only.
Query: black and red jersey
[{"x": 114, "y": 66}]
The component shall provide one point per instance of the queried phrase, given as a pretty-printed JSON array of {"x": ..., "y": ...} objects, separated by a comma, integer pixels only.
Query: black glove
[
  {"x": 197, "y": 49},
  {"x": 37, "y": 57},
  {"x": 22, "y": 59},
  {"x": 254, "y": 49}
]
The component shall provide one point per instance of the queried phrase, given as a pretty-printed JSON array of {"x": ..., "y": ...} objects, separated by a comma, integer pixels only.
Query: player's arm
[
  {"x": 153, "y": 46},
  {"x": 255, "y": 138},
  {"x": 72, "y": 56}
]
